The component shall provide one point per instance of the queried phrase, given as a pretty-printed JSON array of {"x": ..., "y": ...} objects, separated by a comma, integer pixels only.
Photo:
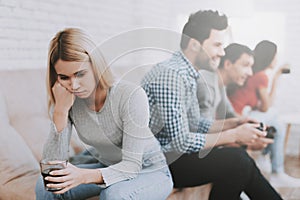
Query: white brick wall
[{"x": 28, "y": 25}]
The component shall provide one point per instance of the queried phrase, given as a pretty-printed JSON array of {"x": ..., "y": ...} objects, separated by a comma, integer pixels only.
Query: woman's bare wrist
[{"x": 60, "y": 111}]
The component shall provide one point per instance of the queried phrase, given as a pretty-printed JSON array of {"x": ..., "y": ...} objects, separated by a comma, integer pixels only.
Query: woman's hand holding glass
[{"x": 72, "y": 176}]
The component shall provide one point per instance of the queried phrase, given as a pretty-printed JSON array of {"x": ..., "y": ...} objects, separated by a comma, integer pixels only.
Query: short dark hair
[
  {"x": 265, "y": 52},
  {"x": 200, "y": 25},
  {"x": 233, "y": 52}
]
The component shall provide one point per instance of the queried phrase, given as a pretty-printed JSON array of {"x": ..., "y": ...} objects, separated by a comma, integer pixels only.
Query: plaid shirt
[{"x": 175, "y": 119}]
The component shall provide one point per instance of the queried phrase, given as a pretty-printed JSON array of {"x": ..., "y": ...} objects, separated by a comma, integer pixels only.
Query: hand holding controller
[{"x": 270, "y": 130}]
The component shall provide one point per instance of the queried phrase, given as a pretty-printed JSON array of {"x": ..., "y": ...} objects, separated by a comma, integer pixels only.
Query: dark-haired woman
[{"x": 255, "y": 99}]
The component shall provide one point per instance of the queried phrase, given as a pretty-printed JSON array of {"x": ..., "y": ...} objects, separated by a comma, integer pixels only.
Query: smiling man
[
  {"x": 234, "y": 68},
  {"x": 175, "y": 118}
]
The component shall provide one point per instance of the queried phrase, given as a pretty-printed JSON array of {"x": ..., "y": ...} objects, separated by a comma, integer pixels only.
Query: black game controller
[
  {"x": 286, "y": 71},
  {"x": 271, "y": 130}
]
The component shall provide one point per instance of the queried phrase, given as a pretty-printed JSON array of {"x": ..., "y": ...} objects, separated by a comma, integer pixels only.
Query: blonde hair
[{"x": 73, "y": 44}]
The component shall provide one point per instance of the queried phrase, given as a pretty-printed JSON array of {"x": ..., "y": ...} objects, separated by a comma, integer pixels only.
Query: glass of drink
[{"x": 49, "y": 165}]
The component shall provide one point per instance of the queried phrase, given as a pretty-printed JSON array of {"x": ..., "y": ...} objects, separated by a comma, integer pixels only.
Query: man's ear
[
  {"x": 227, "y": 64},
  {"x": 194, "y": 45}
]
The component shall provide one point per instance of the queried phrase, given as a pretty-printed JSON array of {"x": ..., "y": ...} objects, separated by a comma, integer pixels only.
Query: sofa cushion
[
  {"x": 21, "y": 188},
  {"x": 191, "y": 193},
  {"x": 17, "y": 165},
  {"x": 24, "y": 92},
  {"x": 34, "y": 131},
  {"x": 3, "y": 112}
]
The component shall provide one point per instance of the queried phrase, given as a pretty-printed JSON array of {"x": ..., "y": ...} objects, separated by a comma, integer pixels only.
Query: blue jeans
[
  {"x": 277, "y": 148},
  {"x": 154, "y": 185}
]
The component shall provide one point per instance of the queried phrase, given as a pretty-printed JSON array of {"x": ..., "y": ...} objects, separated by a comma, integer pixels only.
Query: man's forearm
[
  {"x": 220, "y": 138},
  {"x": 222, "y": 125}
]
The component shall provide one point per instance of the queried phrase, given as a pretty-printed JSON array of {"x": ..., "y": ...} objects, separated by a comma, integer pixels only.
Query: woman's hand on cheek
[{"x": 63, "y": 98}]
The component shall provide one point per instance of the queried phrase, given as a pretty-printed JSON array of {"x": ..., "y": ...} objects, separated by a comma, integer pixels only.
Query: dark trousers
[{"x": 230, "y": 170}]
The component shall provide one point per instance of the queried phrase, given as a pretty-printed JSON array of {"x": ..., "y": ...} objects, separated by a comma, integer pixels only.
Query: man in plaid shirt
[{"x": 175, "y": 120}]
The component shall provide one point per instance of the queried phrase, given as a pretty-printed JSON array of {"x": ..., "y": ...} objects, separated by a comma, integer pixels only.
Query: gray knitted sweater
[{"x": 119, "y": 132}]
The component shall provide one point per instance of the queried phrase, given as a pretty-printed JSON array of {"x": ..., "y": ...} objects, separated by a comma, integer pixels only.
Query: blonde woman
[{"x": 112, "y": 117}]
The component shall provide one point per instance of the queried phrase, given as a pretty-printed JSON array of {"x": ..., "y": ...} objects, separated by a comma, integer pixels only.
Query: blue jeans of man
[{"x": 277, "y": 148}]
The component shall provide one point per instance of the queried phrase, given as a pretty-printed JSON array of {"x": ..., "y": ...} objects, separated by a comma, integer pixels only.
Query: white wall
[{"x": 28, "y": 25}]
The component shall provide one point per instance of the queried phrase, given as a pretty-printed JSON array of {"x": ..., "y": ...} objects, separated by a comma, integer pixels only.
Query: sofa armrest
[
  {"x": 16, "y": 157},
  {"x": 17, "y": 165}
]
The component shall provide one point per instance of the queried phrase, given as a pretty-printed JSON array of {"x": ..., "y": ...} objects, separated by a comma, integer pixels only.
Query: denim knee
[
  {"x": 42, "y": 194},
  {"x": 40, "y": 190},
  {"x": 39, "y": 187},
  {"x": 114, "y": 193}
]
